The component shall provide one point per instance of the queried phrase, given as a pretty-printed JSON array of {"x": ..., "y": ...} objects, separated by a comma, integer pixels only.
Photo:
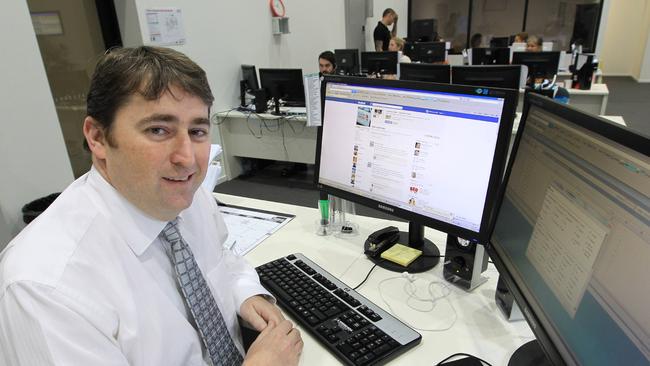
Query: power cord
[
  {"x": 367, "y": 276},
  {"x": 441, "y": 363}
]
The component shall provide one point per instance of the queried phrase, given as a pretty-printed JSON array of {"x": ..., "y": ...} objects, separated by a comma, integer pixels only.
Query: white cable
[{"x": 432, "y": 300}]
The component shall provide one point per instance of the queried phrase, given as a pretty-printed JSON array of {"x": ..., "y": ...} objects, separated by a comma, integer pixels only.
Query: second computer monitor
[
  {"x": 285, "y": 84},
  {"x": 541, "y": 65},
  {"x": 379, "y": 62},
  {"x": 496, "y": 76},
  {"x": 499, "y": 42},
  {"x": 249, "y": 75},
  {"x": 425, "y": 72},
  {"x": 347, "y": 61},
  {"x": 490, "y": 56},
  {"x": 430, "y": 52}
]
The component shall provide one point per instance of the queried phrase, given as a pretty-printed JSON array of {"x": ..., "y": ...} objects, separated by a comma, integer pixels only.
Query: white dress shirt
[{"x": 89, "y": 283}]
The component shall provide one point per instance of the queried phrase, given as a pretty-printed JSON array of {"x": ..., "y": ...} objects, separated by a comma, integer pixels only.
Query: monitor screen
[
  {"x": 425, "y": 72},
  {"x": 285, "y": 84},
  {"x": 540, "y": 64},
  {"x": 572, "y": 236},
  {"x": 499, "y": 42},
  {"x": 495, "y": 76},
  {"x": 379, "y": 62},
  {"x": 249, "y": 75},
  {"x": 490, "y": 56},
  {"x": 430, "y": 52},
  {"x": 423, "y": 30},
  {"x": 347, "y": 61},
  {"x": 429, "y": 153}
]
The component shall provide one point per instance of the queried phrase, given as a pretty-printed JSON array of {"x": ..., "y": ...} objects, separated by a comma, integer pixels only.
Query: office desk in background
[
  {"x": 480, "y": 329},
  {"x": 592, "y": 101},
  {"x": 264, "y": 136}
]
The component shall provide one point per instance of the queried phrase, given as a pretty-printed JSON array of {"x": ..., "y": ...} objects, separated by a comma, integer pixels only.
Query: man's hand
[
  {"x": 258, "y": 312},
  {"x": 279, "y": 344}
]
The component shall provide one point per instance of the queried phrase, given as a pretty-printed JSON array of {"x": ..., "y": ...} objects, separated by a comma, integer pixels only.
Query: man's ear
[{"x": 95, "y": 137}]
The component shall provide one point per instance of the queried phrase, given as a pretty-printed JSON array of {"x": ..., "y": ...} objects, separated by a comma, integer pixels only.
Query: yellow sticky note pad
[{"x": 401, "y": 254}]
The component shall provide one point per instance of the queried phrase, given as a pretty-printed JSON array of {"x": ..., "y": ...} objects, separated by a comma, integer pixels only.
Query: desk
[
  {"x": 480, "y": 329},
  {"x": 616, "y": 119},
  {"x": 264, "y": 136},
  {"x": 593, "y": 100}
]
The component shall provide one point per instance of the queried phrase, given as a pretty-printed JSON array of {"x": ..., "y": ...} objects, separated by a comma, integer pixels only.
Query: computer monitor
[
  {"x": 541, "y": 65},
  {"x": 379, "y": 62},
  {"x": 430, "y": 52},
  {"x": 495, "y": 76},
  {"x": 572, "y": 236},
  {"x": 499, "y": 42},
  {"x": 410, "y": 50},
  {"x": 429, "y": 153},
  {"x": 285, "y": 84},
  {"x": 423, "y": 30},
  {"x": 425, "y": 72},
  {"x": 347, "y": 61},
  {"x": 490, "y": 56},
  {"x": 250, "y": 77}
]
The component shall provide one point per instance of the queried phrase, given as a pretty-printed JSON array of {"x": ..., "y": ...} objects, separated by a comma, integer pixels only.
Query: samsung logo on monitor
[{"x": 385, "y": 208}]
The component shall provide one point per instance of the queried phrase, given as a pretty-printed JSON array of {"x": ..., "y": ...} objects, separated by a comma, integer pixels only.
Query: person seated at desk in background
[
  {"x": 534, "y": 44},
  {"x": 127, "y": 266},
  {"x": 382, "y": 35},
  {"x": 397, "y": 45},
  {"x": 327, "y": 63},
  {"x": 521, "y": 37},
  {"x": 476, "y": 41}
]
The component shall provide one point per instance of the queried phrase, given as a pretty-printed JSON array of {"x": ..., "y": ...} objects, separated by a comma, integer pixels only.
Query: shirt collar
[{"x": 136, "y": 228}]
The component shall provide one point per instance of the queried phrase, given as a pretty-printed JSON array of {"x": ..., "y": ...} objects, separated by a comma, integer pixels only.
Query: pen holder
[
  {"x": 341, "y": 213},
  {"x": 323, "y": 225}
]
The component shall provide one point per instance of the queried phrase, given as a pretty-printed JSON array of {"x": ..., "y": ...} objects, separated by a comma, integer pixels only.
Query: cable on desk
[
  {"x": 441, "y": 363},
  {"x": 217, "y": 122},
  {"x": 365, "y": 279},
  {"x": 248, "y": 117}
]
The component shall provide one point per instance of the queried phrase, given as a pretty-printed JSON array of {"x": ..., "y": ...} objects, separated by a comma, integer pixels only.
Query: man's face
[
  {"x": 161, "y": 152},
  {"x": 533, "y": 47},
  {"x": 325, "y": 67}
]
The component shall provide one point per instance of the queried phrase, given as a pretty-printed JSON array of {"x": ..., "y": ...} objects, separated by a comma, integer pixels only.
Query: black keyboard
[{"x": 354, "y": 329}]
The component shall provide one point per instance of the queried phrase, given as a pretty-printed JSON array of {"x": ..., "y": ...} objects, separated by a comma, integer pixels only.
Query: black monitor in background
[
  {"x": 430, "y": 52},
  {"x": 499, "y": 42},
  {"x": 379, "y": 62},
  {"x": 347, "y": 61},
  {"x": 410, "y": 50},
  {"x": 490, "y": 56},
  {"x": 540, "y": 64},
  {"x": 425, "y": 72},
  {"x": 249, "y": 75},
  {"x": 423, "y": 30},
  {"x": 495, "y": 76},
  {"x": 571, "y": 238},
  {"x": 402, "y": 147},
  {"x": 285, "y": 84}
]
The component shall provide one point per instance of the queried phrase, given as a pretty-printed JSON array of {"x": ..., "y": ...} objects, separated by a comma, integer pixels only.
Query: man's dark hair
[
  {"x": 329, "y": 56},
  {"x": 387, "y": 12},
  {"x": 148, "y": 71}
]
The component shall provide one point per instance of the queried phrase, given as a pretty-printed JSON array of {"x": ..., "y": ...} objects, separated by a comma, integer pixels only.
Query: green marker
[{"x": 324, "y": 206}]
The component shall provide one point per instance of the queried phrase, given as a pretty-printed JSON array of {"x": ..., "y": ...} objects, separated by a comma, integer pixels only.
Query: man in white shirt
[{"x": 93, "y": 280}]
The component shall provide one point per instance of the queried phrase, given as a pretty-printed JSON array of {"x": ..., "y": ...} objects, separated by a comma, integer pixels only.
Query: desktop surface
[{"x": 479, "y": 328}]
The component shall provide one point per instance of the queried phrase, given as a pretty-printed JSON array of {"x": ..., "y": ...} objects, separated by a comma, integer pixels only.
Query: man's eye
[
  {"x": 158, "y": 131},
  {"x": 199, "y": 132}
]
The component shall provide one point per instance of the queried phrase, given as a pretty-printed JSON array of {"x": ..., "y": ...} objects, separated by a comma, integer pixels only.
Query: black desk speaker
[{"x": 464, "y": 263}]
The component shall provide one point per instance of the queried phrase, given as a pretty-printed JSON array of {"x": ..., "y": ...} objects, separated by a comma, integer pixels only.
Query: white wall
[
  {"x": 223, "y": 35},
  {"x": 401, "y": 8},
  {"x": 624, "y": 47},
  {"x": 33, "y": 157}
]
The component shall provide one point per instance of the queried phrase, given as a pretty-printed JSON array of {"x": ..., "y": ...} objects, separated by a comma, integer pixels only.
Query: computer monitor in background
[
  {"x": 572, "y": 236},
  {"x": 410, "y": 50},
  {"x": 249, "y": 75},
  {"x": 490, "y": 56},
  {"x": 425, "y": 72},
  {"x": 423, "y": 30},
  {"x": 495, "y": 76},
  {"x": 499, "y": 42},
  {"x": 285, "y": 84},
  {"x": 429, "y": 153},
  {"x": 379, "y": 62},
  {"x": 541, "y": 65},
  {"x": 430, "y": 52},
  {"x": 347, "y": 61}
]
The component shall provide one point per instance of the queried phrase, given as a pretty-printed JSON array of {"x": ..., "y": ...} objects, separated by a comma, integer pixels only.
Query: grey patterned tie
[{"x": 199, "y": 298}]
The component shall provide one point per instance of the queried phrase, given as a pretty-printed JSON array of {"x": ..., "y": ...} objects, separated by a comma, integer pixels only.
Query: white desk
[
  {"x": 616, "y": 119},
  {"x": 480, "y": 329},
  {"x": 264, "y": 136},
  {"x": 593, "y": 100}
]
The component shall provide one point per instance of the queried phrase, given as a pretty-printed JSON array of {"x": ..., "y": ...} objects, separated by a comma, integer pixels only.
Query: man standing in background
[{"x": 381, "y": 34}]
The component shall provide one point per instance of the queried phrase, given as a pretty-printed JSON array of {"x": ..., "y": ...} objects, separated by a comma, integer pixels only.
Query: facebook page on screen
[{"x": 427, "y": 152}]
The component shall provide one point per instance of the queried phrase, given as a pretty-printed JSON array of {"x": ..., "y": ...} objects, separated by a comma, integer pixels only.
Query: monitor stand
[
  {"x": 530, "y": 354},
  {"x": 415, "y": 239}
]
